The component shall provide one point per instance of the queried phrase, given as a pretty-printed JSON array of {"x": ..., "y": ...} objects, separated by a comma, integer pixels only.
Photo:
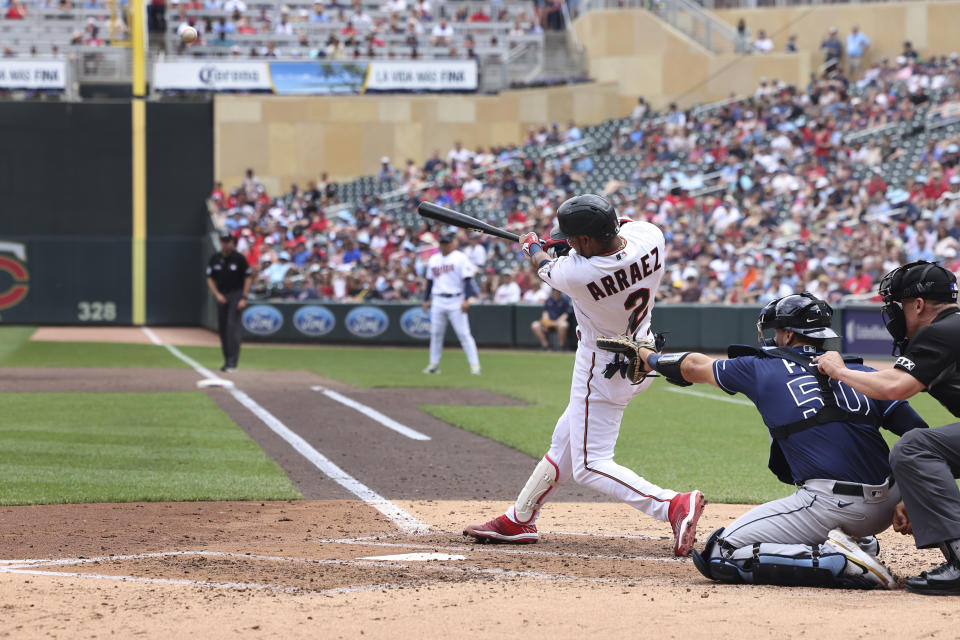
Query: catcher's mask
[
  {"x": 802, "y": 313},
  {"x": 920, "y": 279}
]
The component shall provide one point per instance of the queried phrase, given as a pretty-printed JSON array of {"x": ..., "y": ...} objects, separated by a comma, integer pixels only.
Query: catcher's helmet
[
  {"x": 586, "y": 215},
  {"x": 920, "y": 279},
  {"x": 802, "y": 313}
]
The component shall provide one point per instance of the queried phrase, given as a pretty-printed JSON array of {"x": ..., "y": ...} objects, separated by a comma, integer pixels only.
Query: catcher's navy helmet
[
  {"x": 586, "y": 215},
  {"x": 802, "y": 313}
]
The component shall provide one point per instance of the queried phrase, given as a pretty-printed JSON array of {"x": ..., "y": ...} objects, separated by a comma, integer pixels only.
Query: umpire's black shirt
[
  {"x": 228, "y": 271},
  {"x": 933, "y": 358}
]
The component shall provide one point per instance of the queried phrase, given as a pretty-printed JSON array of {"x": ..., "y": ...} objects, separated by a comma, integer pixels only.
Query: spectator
[
  {"x": 441, "y": 34},
  {"x": 857, "y": 45},
  {"x": 832, "y": 47},
  {"x": 909, "y": 52},
  {"x": 762, "y": 44},
  {"x": 284, "y": 27},
  {"x": 791, "y": 46},
  {"x": 459, "y": 154},
  {"x": 640, "y": 111},
  {"x": 318, "y": 16},
  {"x": 17, "y": 11},
  {"x": 741, "y": 39},
  {"x": 508, "y": 292},
  {"x": 554, "y": 318}
]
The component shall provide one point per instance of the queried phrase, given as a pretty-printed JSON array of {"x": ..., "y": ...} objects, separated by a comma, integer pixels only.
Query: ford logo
[
  {"x": 314, "y": 321},
  {"x": 367, "y": 322},
  {"x": 415, "y": 322},
  {"x": 262, "y": 320}
]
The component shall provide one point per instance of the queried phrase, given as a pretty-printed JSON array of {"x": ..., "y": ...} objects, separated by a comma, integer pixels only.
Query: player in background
[
  {"x": 447, "y": 295},
  {"x": 611, "y": 276},
  {"x": 824, "y": 438}
]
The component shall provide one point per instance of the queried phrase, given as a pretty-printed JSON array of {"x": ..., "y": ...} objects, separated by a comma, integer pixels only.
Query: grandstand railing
[{"x": 686, "y": 16}]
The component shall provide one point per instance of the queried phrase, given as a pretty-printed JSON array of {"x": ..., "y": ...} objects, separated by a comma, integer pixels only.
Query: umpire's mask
[{"x": 920, "y": 279}]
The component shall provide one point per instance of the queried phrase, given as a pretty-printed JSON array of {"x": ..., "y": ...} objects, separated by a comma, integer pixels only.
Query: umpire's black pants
[
  {"x": 230, "y": 327},
  {"x": 925, "y": 464}
]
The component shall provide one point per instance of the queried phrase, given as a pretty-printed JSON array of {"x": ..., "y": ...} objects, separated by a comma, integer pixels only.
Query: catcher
[{"x": 824, "y": 439}]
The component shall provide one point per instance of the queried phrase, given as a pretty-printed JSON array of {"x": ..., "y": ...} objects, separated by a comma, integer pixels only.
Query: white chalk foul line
[
  {"x": 371, "y": 413},
  {"x": 404, "y": 521},
  {"x": 711, "y": 396}
]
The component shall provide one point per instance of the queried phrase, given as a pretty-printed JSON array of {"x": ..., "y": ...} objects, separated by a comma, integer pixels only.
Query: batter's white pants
[
  {"x": 449, "y": 308},
  {"x": 587, "y": 432}
]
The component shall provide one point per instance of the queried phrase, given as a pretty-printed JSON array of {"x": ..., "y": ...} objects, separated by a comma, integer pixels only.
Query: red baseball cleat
[
  {"x": 685, "y": 510},
  {"x": 502, "y": 529}
]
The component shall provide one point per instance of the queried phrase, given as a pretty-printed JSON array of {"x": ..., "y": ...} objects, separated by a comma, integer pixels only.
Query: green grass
[
  {"x": 677, "y": 441},
  {"x": 122, "y": 447}
]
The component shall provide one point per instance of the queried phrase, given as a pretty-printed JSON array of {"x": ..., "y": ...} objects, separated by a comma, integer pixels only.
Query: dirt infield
[
  {"x": 318, "y": 568},
  {"x": 335, "y": 566}
]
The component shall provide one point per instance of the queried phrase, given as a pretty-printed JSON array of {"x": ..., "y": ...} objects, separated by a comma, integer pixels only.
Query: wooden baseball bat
[{"x": 462, "y": 220}]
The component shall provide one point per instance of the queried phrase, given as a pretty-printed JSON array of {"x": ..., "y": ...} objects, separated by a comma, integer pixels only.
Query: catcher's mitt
[{"x": 628, "y": 362}]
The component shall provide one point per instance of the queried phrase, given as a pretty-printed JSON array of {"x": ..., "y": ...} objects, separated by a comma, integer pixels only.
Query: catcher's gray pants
[
  {"x": 788, "y": 526},
  {"x": 925, "y": 463}
]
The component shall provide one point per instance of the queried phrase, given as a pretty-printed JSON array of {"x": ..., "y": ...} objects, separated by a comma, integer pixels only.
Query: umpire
[
  {"x": 228, "y": 277},
  {"x": 921, "y": 314}
]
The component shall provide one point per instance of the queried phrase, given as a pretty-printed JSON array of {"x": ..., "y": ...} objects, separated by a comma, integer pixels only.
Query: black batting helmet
[
  {"x": 586, "y": 215},
  {"x": 802, "y": 313}
]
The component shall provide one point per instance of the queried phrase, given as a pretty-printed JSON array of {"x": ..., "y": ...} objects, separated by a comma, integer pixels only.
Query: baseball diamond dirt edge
[{"x": 457, "y": 219}]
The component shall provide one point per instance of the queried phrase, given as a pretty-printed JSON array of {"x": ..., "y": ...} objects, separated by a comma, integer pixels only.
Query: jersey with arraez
[
  {"x": 785, "y": 392},
  {"x": 614, "y": 294}
]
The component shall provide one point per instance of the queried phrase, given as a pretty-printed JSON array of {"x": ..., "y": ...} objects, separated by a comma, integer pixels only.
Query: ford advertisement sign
[
  {"x": 415, "y": 322},
  {"x": 262, "y": 320},
  {"x": 367, "y": 322},
  {"x": 864, "y": 332},
  {"x": 314, "y": 321}
]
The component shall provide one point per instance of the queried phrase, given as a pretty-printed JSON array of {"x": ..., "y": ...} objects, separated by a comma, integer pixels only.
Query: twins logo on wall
[
  {"x": 367, "y": 322},
  {"x": 13, "y": 259},
  {"x": 415, "y": 322},
  {"x": 314, "y": 321},
  {"x": 262, "y": 320}
]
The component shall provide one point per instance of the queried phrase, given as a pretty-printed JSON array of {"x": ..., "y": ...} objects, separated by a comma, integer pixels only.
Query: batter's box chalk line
[{"x": 39, "y": 567}]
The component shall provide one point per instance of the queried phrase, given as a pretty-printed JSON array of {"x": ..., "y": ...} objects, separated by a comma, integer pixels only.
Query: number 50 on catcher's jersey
[{"x": 613, "y": 294}]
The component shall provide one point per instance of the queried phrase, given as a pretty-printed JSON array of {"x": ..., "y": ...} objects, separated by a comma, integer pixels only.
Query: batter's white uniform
[
  {"x": 448, "y": 273},
  {"x": 611, "y": 295}
]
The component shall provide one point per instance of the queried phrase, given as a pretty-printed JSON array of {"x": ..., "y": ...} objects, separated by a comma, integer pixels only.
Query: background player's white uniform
[
  {"x": 448, "y": 273},
  {"x": 611, "y": 295}
]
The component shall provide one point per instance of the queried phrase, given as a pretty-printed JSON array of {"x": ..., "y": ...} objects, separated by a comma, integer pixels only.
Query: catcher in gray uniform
[{"x": 824, "y": 438}]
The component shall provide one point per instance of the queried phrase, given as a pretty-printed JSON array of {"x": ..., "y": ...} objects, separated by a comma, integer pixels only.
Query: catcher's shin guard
[
  {"x": 545, "y": 477},
  {"x": 711, "y": 564}
]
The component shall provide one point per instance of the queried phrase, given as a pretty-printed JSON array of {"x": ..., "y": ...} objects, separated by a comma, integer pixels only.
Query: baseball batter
[
  {"x": 447, "y": 296},
  {"x": 611, "y": 276}
]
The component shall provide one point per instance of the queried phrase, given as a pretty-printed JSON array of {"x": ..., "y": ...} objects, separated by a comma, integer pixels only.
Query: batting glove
[
  {"x": 557, "y": 248},
  {"x": 530, "y": 243}
]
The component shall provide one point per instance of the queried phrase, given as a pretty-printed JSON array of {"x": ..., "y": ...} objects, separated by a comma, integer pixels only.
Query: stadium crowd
[{"x": 786, "y": 190}]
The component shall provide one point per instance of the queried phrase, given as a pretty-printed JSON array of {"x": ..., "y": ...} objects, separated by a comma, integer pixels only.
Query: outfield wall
[
  {"x": 66, "y": 219},
  {"x": 689, "y": 326}
]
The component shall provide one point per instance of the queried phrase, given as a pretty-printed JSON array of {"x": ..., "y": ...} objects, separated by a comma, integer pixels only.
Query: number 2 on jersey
[{"x": 641, "y": 300}]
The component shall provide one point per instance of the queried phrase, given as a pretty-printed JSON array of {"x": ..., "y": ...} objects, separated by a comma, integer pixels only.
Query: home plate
[
  {"x": 215, "y": 382},
  {"x": 417, "y": 557}
]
